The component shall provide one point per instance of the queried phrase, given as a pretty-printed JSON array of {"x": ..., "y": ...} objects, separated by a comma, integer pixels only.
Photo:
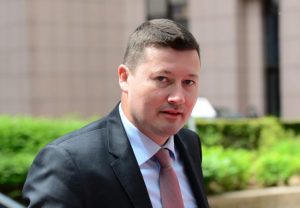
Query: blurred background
[{"x": 60, "y": 57}]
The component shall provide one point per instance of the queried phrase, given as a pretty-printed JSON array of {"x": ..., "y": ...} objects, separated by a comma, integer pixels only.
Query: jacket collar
[
  {"x": 195, "y": 177},
  {"x": 128, "y": 172},
  {"x": 124, "y": 163}
]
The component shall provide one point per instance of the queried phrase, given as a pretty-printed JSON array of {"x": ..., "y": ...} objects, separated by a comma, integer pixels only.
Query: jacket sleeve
[{"x": 53, "y": 180}]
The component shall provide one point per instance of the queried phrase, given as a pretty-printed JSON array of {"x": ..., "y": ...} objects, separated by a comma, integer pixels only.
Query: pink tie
[{"x": 168, "y": 182}]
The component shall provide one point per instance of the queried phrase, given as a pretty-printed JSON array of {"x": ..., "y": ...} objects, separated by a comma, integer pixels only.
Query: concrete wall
[
  {"x": 215, "y": 26},
  {"x": 279, "y": 197},
  {"x": 230, "y": 36},
  {"x": 14, "y": 58},
  {"x": 231, "y": 39},
  {"x": 290, "y": 58},
  {"x": 61, "y": 57}
]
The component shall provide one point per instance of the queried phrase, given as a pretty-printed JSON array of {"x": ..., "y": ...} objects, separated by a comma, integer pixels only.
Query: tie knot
[{"x": 163, "y": 157}]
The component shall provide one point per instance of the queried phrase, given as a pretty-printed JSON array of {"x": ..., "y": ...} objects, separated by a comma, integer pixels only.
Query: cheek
[
  {"x": 191, "y": 101},
  {"x": 157, "y": 96},
  {"x": 141, "y": 96}
]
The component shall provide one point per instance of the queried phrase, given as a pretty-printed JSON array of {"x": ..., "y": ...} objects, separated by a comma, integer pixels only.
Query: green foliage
[
  {"x": 271, "y": 132},
  {"x": 247, "y": 152},
  {"x": 236, "y": 153},
  {"x": 233, "y": 169},
  {"x": 20, "y": 140},
  {"x": 242, "y": 133},
  {"x": 226, "y": 169},
  {"x": 273, "y": 168},
  {"x": 292, "y": 127},
  {"x": 13, "y": 168},
  {"x": 277, "y": 164},
  {"x": 25, "y": 134}
]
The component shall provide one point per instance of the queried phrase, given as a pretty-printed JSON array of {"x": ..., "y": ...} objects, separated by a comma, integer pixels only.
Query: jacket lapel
[
  {"x": 195, "y": 177},
  {"x": 125, "y": 165}
]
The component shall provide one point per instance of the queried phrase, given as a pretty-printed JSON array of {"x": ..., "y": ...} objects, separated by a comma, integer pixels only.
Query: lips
[{"x": 172, "y": 113}]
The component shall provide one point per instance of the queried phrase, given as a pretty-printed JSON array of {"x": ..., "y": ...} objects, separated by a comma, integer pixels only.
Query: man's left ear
[{"x": 123, "y": 73}]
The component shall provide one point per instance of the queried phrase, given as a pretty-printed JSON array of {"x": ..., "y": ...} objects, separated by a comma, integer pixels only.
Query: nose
[{"x": 177, "y": 95}]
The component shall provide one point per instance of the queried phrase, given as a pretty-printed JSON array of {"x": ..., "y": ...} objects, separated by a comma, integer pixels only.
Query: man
[{"x": 113, "y": 162}]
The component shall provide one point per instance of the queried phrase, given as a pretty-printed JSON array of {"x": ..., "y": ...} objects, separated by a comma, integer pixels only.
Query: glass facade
[
  {"x": 272, "y": 71},
  {"x": 170, "y": 9}
]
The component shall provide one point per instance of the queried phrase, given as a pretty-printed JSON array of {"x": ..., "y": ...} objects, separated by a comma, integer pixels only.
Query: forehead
[
  {"x": 168, "y": 59},
  {"x": 166, "y": 53}
]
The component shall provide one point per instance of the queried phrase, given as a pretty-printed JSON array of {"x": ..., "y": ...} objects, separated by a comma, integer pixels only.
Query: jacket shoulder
[
  {"x": 188, "y": 134},
  {"x": 82, "y": 132}
]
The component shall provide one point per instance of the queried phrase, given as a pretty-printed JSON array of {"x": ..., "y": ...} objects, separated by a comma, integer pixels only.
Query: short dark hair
[{"x": 158, "y": 33}]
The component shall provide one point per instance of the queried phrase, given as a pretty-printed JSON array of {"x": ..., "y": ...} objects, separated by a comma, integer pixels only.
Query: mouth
[{"x": 172, "y": 113}]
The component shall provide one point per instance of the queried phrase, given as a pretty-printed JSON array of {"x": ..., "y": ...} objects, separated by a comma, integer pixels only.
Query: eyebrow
[{"x": 169, "y": 72}]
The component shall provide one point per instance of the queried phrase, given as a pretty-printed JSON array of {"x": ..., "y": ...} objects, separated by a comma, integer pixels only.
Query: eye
[
  {"x": 162, "y": 79},
  {"x": 189, "y": 82}
]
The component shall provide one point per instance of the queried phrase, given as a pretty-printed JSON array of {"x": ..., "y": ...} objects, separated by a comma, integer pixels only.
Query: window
[
  {"x": 272, "y": 71},
  {"x": 170, "y": 9}
]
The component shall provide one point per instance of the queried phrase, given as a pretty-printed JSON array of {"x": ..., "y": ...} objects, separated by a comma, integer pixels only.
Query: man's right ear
[{"x": 123, "y": 74}]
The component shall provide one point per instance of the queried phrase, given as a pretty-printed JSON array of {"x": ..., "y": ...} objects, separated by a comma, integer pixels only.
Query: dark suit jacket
[{"x": 95, "y": 167}]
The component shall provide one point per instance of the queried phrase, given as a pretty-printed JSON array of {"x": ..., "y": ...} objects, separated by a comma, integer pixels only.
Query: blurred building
[{"x": 60, "y": 57}]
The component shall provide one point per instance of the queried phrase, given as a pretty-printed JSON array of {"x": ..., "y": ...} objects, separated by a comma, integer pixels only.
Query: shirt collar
[{"x": 143, "y": 147}]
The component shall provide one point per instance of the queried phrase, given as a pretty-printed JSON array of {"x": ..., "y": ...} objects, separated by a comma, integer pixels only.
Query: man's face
[{"x": 159, "y": 94}]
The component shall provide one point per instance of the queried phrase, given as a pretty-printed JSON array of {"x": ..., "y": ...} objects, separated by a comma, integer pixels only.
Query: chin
[{"x": 170, "y": 132}]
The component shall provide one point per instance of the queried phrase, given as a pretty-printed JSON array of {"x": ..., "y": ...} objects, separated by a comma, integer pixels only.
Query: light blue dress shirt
[{"x": 144, "y": 149}]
